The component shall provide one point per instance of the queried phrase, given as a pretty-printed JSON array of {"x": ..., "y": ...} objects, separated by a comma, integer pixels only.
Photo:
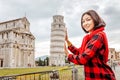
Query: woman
[{"x": 93, "y": 53}]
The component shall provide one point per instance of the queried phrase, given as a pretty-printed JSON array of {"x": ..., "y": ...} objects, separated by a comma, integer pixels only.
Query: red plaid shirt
[{"x": 92, "y": 54}]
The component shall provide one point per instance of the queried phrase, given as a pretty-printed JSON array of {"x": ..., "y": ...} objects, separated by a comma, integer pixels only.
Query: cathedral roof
[{"x": 24, "y": 18}]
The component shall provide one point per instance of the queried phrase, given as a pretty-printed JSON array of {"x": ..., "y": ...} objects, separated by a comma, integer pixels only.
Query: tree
[
  {"x": 46, "y": 61},
  {"x": 40, "y": 62},
  {"x": 47, "y": 58}
]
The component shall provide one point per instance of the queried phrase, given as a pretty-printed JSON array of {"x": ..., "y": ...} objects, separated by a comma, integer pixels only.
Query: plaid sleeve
[
  {"x": 91, "y": 47},
  {"x": 73, "y": 49}
]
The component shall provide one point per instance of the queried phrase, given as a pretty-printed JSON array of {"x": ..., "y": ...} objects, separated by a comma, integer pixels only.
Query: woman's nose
[{"x": 85, "y": 23}]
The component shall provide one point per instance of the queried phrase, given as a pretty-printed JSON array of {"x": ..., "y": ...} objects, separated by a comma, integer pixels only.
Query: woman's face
[{"x": 87, "y": 23}]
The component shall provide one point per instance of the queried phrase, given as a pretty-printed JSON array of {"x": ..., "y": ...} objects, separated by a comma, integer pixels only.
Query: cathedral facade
[
  {"x": 57, "y": 55},
  {"x": 17, "y": 44}
]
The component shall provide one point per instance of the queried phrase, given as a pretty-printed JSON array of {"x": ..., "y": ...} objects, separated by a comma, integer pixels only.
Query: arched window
[
  {"x": 14, "y": 24},
  {"x": 6, "y": 26},
  {"x": 25, "y": 26},
  {"x": 22, "y": 37},
  {"x": 59, "y": 25},
  {"x": 2, "y": 35},
  {"x": 7, "y": 35}
]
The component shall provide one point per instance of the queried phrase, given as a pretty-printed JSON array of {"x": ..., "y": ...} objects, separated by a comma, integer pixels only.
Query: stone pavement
[{"x": 117, "y": 72}]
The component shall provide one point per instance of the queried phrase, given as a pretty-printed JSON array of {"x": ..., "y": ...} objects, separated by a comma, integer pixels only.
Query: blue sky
[{"x": 40, "y": 12}]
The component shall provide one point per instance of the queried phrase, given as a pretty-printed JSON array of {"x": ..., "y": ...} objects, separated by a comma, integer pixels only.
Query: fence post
[
  {"x": 74, "y": 73},
  {"x": 54, "y": 75}
]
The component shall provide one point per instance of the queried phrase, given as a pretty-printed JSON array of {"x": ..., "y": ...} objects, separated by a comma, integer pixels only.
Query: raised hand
[{"x": 66, "y": 35}]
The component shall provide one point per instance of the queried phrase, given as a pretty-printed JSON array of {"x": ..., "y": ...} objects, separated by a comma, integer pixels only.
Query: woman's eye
[
  {"x": 88, "y": 19},
  {"x": 83, "y": 21}
]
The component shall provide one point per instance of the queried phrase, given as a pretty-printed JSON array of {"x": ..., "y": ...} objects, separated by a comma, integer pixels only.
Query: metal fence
[{"x": 63, "y": 74}]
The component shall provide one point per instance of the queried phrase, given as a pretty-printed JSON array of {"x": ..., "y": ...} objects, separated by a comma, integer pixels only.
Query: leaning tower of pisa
[{"x": 57, "y": 55}]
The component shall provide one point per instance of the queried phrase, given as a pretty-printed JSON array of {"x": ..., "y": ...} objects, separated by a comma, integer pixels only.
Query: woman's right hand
[
  {"x": 66, "y": 38},
  {"x": 66, "y": 35}
]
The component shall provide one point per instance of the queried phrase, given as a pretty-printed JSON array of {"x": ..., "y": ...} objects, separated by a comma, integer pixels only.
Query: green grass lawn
[{"x": 11, "y": 71}]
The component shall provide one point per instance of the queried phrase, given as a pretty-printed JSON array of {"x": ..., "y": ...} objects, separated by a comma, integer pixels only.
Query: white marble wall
[{"x": 17, "y": 44}]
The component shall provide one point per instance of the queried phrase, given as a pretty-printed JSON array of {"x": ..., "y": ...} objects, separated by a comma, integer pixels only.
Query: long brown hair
[{"x": 98, "y": 21}]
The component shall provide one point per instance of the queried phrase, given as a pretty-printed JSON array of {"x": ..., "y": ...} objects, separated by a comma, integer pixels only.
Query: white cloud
[
  {"x": 40, "y": 12},
  {"x": 42, "y": 48}
]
